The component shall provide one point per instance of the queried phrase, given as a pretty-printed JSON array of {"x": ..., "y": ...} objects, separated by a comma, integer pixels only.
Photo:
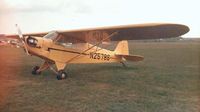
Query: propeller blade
[
  {"x": 22, "y": 38},
  {"x": 19, "y": 32}
]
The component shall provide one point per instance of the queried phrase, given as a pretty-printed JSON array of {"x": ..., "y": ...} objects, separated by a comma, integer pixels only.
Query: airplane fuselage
[{"x": 59, "y": 53}]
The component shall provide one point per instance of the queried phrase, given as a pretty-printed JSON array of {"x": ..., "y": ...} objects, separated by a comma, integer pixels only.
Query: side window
[
  {"x": 51, "y": 35},
  {"x": 64, "y": 41}
]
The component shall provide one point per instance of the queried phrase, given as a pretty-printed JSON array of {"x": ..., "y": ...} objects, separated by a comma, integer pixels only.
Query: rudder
[
  {"x": 122, "y": 48},
  {"x": 122, "y": 51}
]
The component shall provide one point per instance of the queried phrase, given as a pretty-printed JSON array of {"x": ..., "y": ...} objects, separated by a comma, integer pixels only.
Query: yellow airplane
[{"x": 82, "y": 46}]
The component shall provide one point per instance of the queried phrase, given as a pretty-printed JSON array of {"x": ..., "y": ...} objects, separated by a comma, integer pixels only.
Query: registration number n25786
[{"x": 99, "y": 56}]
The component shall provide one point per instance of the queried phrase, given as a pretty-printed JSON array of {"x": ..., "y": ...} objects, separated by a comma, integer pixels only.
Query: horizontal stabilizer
[{"x": 132, "y": 57}]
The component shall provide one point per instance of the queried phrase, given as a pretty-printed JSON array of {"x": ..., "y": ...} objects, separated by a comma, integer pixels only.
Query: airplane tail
[{"x": 122, "y": 51}]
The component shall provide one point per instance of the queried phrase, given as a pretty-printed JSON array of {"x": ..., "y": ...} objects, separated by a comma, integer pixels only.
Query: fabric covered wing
[
  {"x": 129, "y": 32},
  {"x": 123, "y": 32}
]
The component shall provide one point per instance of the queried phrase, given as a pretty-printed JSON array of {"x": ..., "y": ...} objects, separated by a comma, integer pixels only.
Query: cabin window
[{"x": 51, "y": 35}]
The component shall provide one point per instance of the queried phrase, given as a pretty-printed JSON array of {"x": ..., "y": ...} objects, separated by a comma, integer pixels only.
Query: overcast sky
[{"x": 47, "y": 15}]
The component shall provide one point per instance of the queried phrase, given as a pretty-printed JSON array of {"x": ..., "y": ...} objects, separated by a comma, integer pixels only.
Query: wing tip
[
  {"x": 171, "y": 30},
  {"x": 182, "y": 29},
  {"x": 186, "y": 29},
  {"x": 176, "y": 29}
]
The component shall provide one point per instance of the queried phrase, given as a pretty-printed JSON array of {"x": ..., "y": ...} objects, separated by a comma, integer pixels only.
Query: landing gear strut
[
  {"x": 61, "y": 75},
  {"x": 35, "y": 70}
]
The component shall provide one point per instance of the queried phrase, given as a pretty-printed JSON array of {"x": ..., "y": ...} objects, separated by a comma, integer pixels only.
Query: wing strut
[{"x": 92, "y": 47}]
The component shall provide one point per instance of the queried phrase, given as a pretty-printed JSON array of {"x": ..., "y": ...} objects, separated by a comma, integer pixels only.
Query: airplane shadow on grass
[
  {"x": 78, "y": 71},
  {"x": 100, "y": 69}
]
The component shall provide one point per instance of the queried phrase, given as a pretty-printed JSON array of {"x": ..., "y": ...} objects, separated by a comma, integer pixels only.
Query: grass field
[{"x": 168, "y": 80}]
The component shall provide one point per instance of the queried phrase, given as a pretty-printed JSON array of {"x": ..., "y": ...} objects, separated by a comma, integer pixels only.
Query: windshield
[{"x": 51, "y": 35}]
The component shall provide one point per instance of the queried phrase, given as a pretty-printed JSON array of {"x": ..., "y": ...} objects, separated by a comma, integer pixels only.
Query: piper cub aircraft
[{"x": 83, "y": 46}]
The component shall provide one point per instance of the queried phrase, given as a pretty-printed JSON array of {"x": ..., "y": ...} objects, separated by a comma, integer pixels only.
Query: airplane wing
[
  {"x": 130, "y": 32},
  {"x": 123, "y": 32}
]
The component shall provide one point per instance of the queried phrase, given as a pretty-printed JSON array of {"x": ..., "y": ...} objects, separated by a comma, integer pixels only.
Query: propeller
[{"x": 22, "y": 38}]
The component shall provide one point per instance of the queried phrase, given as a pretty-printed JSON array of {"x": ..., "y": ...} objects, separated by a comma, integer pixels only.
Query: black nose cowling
[{"x": 31, "y": 41}]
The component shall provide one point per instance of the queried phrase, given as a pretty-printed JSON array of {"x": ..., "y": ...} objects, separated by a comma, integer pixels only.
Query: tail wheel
[
  {"x": 34, "y": 70},
  {"x": 61, "y": 75}
]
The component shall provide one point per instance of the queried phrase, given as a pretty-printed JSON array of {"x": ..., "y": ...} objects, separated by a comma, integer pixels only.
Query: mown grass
[{"x": 168, "y": 80}]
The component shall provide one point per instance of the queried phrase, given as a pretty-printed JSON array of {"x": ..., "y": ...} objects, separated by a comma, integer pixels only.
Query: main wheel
[
  {"x": 34, "y": 70},
  {"x": 61, "y": 75}
]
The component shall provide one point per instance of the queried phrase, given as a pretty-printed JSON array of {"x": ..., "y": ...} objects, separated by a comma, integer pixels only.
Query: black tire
[
  {"x": 34, "y": 71},
  {"x": 61, "y": 75}
]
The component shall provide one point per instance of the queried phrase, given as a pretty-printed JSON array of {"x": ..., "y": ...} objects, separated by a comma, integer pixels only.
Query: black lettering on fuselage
[{"x": 100, "y": 56}]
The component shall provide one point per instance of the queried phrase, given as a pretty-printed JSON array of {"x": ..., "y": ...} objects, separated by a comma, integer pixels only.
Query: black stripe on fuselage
[{"x": 66, "y": 51}]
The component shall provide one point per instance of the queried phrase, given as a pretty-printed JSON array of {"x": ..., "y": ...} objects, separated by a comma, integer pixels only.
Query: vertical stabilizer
[{"x": 122, "y": 48}]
